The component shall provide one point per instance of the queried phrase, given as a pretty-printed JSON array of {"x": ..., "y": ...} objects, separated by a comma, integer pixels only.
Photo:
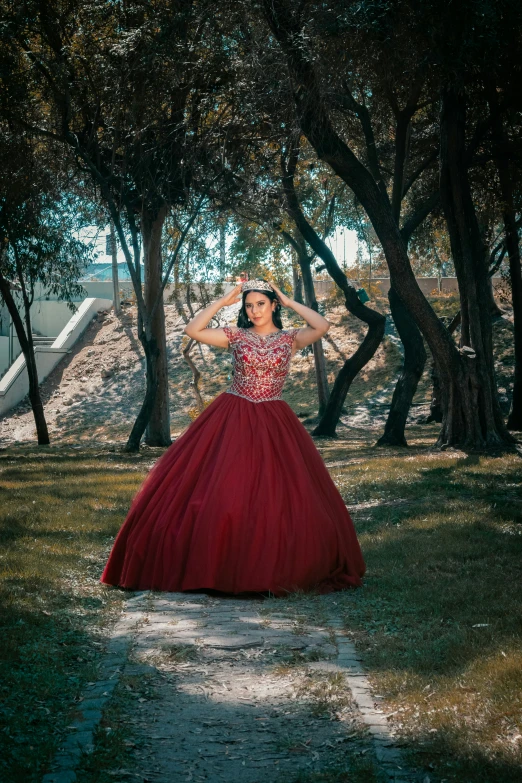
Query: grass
[
  {"x": 326, "y": 693},
  {"x": 292, "y": 659},
  {"x": 59, "y": 512},
  {"x": 438, "y": 622},
  {"x": 115, "y": 744},
  {"x": 179, "y": 653},
  {"x": 439, "y": 619}
]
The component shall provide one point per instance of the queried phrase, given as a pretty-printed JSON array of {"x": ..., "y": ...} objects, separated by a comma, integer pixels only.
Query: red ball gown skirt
[{"x": 242, "y": 501}]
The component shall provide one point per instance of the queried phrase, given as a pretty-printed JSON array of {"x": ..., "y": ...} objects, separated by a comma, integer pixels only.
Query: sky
[{"x": 343, "y": 244}]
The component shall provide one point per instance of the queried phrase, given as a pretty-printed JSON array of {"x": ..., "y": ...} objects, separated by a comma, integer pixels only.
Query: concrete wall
[
  {"x": 48, "y": 318},
  {"x": 103, "y": 290},
  {"x": 4, "y": 352},
  {"x": 14, "y": 385},
  {"x": 80, "y": 321},
  {"x": 428, "y": 285}
]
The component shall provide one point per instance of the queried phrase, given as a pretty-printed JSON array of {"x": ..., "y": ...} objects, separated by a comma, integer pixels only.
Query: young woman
[{"x": 242, "y": 500}]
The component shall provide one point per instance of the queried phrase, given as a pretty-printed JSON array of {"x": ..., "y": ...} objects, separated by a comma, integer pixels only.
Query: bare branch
[{"x": 414, "y": 220}]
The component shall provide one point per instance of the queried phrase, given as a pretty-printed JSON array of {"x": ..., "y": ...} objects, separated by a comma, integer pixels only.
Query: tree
[
  {"x": 470, "y": 412},
  {"x": 358, "y": 96},
  {"x": 37, "y": 245},
  {"x": 127, "y": 90},
  {"x": 509, "y": 178},
  {"x": 375, "y": 321}
]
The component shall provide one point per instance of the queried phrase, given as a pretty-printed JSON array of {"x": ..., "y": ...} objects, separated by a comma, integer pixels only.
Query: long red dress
[{"x": 242, "y": 500}]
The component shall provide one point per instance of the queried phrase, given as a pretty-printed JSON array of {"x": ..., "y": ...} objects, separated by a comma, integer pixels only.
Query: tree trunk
[
  {"x": 26, "y": 344},
  {"x": 515, "y": 415},
  {"x": 471, "y": 417},
  {"x": 494, "y": 310},
  {"x": 414, "y": 357},
  {"x": 151, "y": 230},
  {"x": 35, "y": 398},
  {"x": 158, "y": 426},
  {"x": 150, "y": 348},
  {"x": 349, "y": 371},
  {"x": 472, "y": 413},
  {"x": 297, "y": 282},
  {"x": 436, "y": 412},
  {"x": 115, "y": 281},
  {"x": 375, "y": 321},
  {"x": 196, "y": 375},
  {"x": 501, "y": 152},
  {"x": 411, "y": 372},
  {"x": 222, "y": 249},
  {"x": 319, "y": 358}
]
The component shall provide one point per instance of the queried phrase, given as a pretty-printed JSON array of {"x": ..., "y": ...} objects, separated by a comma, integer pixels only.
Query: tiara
[{"x": 256, "y": 285}]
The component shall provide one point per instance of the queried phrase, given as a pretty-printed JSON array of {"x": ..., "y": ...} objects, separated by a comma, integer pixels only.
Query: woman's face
[{"x": 259, "y": 308}]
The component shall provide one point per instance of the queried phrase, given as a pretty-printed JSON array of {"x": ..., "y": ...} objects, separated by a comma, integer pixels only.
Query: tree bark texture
[
  {"x": 436, "y": 413},
  {"x": 318, "y": 349},
  {"x": 196, "y": 375},
  {"x": 515, "y": 415},
  {"x": 297, "y": 281},
  {"x": 414, "y": 358},
  {"x": 158, "y": 426},
  {"x": 411, "y": 372},
  {"x": 25, "y": 338},
  {"x": 472, "y": 414},
  {"x": 501, "y": 149},
  {"x": 151, "y": 384},
  {"x": 115, "y": 278}
]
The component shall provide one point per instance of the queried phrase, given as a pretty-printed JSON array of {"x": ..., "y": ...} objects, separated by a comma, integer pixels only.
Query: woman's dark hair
[{"x": 243, "y": 320}]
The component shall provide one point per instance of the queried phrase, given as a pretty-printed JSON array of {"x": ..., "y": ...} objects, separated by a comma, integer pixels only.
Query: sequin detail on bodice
[{"x": 261, "y": 363}]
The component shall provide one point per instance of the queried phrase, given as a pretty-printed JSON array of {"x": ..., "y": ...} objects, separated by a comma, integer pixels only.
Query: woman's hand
[
  {"x": 232, "y": 297},
  {"x": 284, "y": 300}
]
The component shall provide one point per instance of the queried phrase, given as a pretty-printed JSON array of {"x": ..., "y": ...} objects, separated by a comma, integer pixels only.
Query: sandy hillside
[{"x": 95, "y": 393}]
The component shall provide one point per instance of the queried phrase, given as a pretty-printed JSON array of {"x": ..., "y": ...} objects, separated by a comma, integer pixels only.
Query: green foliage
[{"x": 39, "y": 223}]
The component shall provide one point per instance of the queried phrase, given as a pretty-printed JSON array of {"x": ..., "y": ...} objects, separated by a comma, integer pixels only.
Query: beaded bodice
[{"x": 261, "y": 363}]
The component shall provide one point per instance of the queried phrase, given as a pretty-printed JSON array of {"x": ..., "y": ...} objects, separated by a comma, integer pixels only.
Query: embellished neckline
[{"x": 264, "y": 336}]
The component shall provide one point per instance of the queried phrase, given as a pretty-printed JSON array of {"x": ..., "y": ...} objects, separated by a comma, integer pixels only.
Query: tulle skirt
[{"x": 241, "y": 502}]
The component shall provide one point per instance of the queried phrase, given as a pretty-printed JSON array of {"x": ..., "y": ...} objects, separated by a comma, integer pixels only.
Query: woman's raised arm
[
  {"x": 317, "y": 325},
  {"x": 197, "y": 328}
]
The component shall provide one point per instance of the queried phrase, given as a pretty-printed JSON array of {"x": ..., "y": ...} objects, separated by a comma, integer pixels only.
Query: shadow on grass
[
  {"x": 438, "y": 622},
  {"x": 218, "y": 722},
  {"x": 448, "y": 556},
  {"x": 47, "y": 654},
  {"x": 58, "y": 516}
]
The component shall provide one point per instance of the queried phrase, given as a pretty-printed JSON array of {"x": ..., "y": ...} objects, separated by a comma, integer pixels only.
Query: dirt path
[{"x": 239, "y": 693}]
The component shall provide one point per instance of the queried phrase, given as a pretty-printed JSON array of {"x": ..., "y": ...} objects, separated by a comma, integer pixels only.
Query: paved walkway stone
[{"x": 239, "y": 694}]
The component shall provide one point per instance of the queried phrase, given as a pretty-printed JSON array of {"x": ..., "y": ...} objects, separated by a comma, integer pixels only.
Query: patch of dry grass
[
  {"x": 439, "y": 619},
  {"x": 59, "y": 512},
  {"x": 179, "y": 653},
  {"x": 115, "y": 742},
  {"x": 326, "y": 693}
]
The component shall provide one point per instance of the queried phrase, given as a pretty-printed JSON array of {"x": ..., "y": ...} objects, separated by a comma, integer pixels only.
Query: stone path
[{"x": 238, "y": 694}]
